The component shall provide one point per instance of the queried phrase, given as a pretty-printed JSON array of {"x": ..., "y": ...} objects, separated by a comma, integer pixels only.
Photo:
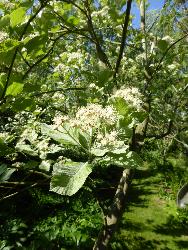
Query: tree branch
[
  {"x": 42, "y": 58},
  {"x": 160, "y": 136},
  {"x": 18, "y": 192},
  {"x": 26, "y": 62},
  {"x": 100, "y": 52},
  {"x": 123, "y": 38},
  {"x": 165, "y": 53}
]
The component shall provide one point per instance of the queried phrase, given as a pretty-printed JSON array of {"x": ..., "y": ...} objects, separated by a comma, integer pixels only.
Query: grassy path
[{"x": 149, "y": 221}]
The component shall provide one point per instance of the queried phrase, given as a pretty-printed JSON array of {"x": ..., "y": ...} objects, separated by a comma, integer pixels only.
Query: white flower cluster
[
  {"x": 8, "y": 4},
  {"x": 173, "y": 67},
  {"x": 75, "y": 59},
  {"x": 74, "y": 56},
  {"x": 93, "y": 115},
  {"x": 103, "y": 12},
  {"x": 131, "y": 95},
  {"x": 109, "y": 139},
  {"x": 59, "y": 67},
  {"x": 3, "y": 36},
  {"x": 59, "y": 120},
  {"x": 93, "y": 86},
  {"x": 36, "y": 33},
  {"x": 89, "y": 117}
]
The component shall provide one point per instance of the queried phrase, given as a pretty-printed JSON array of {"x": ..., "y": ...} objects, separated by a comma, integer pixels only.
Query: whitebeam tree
[{"x": 77, "y": 74}]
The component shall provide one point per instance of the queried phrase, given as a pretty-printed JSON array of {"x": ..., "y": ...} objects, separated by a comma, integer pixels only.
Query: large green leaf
[
  {"x": 68, "y": 178},
  {"x": 66, "y": 135},
  {"x": 17, "y": 16},
  {"x": 14, "y": 89},
  {"x": 9, "y": 45},
  {"x": 103, "y": 75},
  {"x": 123, "y": 157},
  {"x": 84, "y": 139},
  {"x": 99, "y": 152},
  {"x": 2, "y": 81},
  {"x": 35, "y": 44}
]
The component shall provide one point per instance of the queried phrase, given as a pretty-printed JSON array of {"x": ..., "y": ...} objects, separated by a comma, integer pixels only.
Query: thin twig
[
  {"x": 42, "y": 58},
  {"x": 166, "y": 52},
  {"x": 18, "y": 192},
  {"x": 26, "y": 62}
]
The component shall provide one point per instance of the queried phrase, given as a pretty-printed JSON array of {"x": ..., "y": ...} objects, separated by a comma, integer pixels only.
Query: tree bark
[{"x": 115, "y": 212}]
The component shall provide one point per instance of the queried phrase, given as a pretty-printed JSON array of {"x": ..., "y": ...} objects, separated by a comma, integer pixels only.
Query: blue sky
[{"x": 153, "y": 4}]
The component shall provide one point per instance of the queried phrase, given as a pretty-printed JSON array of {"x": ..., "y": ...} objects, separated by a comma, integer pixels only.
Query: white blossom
[
  {"x": 172, "y": 66},
  {"x": 168, "y": 39},
  {"x": 131, "y": 95},
  {"x": 58, "y": 120},
  {"x": 3, "y": 36},
  {"x": 90, "y": 117}
]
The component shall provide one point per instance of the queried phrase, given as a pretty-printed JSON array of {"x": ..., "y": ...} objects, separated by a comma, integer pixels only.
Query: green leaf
[
  {"x": 64, "y": 135},
  {"x": 14, "y": 89},
  {"x": 36, "y": 44},
  {"x": 68, "y": 178},
  {"x": 8, "y": 45},
  {"x": 4, "y": 21},
  {"x": 5, "y": 172},
  {"x": 23, "y": 104},
  {"x": 121, "y": 106},
  {"x": 123, "y": 157},
  {"x": 26, "y": 149},
  {"x": 45, "y": 165},
  {"x": 2, "y": 81},
  {"x": 133, "y": 160},
  {"x": 162, "y": 45},
  {"x": 4, "y": 149},
  {"x": 103, "y": 75},
  {"x": 17, "y": 16},
  {"x": 73, "y": 20},
  {"x": 3, "y": 168},
  {"x": 99, "y": 152},
  {"x": 83, "y": 140}
]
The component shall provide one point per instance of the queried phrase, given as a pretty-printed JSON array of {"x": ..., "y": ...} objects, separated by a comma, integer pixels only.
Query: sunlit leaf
[
  {"x": 17, "y": 17},
  {"x": 69, "y": 178},
  {"x": 14, "y": 89},
  {"x": 26, "y": 149}
]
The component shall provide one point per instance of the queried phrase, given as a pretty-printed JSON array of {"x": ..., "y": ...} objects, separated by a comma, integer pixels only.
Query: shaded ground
[{"x": 151, "y": 222}]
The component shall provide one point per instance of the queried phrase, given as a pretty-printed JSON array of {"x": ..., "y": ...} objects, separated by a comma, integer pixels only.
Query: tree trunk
[{"x": 115, "y": 212}]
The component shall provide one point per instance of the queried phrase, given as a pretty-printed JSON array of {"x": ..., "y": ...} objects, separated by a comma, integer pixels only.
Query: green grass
[{"x": 151, "y": 221}]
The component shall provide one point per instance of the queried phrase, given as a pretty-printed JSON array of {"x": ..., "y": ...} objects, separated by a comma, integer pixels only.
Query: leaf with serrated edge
[{"x": 68, "y": 178}]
